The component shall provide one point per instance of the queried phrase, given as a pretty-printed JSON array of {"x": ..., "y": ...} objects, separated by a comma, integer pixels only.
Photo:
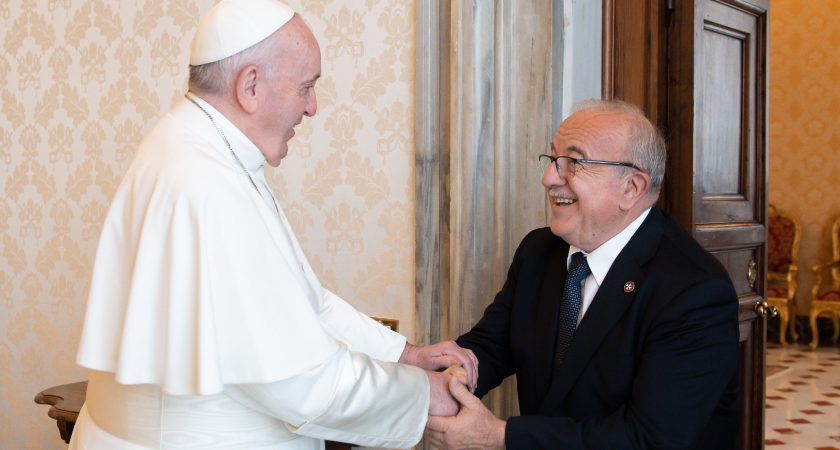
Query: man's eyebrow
[
  {"x": 313, "y": 79},
  {"x": 571, "y": 149},
  {"x": 576, "y": 149}
]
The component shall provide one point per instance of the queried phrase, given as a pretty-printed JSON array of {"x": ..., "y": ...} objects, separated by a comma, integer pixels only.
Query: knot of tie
[
  {"x": 578, "y": 270},
  {"x": 570, "y": 305}
]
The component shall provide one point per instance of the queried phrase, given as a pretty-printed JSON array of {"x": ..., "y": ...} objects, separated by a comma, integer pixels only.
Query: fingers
[
  {"x": 465, "y": 356},
  {"x": 436, "y": 428},
  {"x": 435, "y": 437},
  {"x": 472, "y": 356},
  {"x": 438, "y": 424},
  {"x": 443, "y": 355},
  {"x": 445, "y": 361},
  {"x": 459, "y": 391},
  {"x": 466, "y": 359},
  {"x": 452, "y": 353},
  {"x": 472, "y": 370},
  {"x": 468, "y": 374},
  {"x": 475, "y": 427},
  {"x": 465, "y": 398},
  {"x": 459, "y": 373},
  {"x": 441, "y": 402}
]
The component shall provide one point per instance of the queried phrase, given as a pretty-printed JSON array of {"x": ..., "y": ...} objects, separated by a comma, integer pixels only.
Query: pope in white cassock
[{"x": 206, "y": 327}]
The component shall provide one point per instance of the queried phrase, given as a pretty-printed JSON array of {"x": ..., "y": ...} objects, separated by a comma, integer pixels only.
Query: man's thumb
[{"x": 459, "y": 391}]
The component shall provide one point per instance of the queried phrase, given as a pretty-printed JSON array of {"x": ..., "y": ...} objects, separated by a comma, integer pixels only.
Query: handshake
[{"x": 457, "y": 418}]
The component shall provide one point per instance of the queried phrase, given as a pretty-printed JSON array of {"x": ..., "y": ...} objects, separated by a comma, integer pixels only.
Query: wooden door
[
  {"x": 717, "y": 113},
  {"x": 699, "y": 70}
]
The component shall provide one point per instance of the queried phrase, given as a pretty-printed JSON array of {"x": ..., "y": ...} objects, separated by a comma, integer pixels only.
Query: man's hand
[
  {"x": 475, "y": 427},
  {"x": 441, "y": 356},
  {"x": 441, "y": 402},
  {"x": 458, "y": 373}
]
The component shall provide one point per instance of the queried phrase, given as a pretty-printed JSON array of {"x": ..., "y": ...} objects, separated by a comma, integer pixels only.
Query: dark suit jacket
[{"x": 652, "y": 368}]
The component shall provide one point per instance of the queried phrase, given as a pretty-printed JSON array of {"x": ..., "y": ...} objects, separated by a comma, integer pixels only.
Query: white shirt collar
[
  {"x": 601, "y": 259},
  {"x": 251, "y": 156}
]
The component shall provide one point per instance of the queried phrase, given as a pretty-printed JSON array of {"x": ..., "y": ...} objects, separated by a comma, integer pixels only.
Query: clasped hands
[
  {"x": 458, "y": 419},
  {"x": 460, "y": 363}
]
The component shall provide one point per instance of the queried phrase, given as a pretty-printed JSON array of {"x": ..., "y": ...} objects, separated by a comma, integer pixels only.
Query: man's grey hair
[
  {"x": 218, "y": 76},
  {"x": 645, "y": 144}
]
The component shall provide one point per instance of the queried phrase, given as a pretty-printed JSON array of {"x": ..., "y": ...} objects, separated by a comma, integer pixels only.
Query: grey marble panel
[{"x": 485, "y": 96}]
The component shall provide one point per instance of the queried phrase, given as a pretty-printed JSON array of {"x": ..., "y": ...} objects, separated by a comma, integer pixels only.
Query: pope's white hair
[{"x": 218, "y": 76}]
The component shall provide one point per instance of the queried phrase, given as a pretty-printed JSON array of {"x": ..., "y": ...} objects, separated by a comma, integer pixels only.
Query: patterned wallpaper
[
  {"x": 804, "y": 131},
  {"x": 82, "y": 80}
]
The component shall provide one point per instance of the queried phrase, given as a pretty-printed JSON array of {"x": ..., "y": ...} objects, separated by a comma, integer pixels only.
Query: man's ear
[
  {"x": 246, "y": 85},
  {"x": 636, "y": 187}
]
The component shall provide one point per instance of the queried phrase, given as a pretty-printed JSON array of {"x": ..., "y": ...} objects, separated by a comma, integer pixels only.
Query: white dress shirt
[{"x": 601, "y": 259}]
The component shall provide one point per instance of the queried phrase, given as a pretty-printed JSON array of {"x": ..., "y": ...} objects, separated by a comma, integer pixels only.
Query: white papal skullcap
[{"x": 234, "y": 25}]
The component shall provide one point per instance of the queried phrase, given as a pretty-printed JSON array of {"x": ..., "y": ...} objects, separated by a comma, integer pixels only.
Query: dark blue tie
[{"x": 570, "y": 306}]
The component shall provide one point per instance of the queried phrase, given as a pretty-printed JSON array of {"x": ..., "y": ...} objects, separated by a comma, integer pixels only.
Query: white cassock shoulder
[{"x": 196, "y": 285}]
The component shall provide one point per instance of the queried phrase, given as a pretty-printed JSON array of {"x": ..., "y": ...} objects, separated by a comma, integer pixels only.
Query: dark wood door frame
[{"x": 633, "y": 55}]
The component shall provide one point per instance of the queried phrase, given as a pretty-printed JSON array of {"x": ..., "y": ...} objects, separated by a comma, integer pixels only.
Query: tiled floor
[{"x": 803, "y": 398}]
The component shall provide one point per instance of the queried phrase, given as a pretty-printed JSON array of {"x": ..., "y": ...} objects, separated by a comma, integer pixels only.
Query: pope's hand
[
  {"x": 441, "y": 402},
  {"x": 475, "y": 427},
  {"x": 441, "y": 356}
]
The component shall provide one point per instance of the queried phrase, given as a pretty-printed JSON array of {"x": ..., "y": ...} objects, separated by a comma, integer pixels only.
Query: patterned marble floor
[{"x": 803, "y": 398}]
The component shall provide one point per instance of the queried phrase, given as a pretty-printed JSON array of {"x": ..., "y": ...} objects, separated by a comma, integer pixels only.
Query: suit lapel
[
  {"x": 608, "y": 306},
  {"x": 545, "y": 319}
]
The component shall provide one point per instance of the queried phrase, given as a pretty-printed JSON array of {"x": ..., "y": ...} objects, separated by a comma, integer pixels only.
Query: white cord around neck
[
  {"x": 188, "y": 96},
  {"x": 224, "y": 138}
]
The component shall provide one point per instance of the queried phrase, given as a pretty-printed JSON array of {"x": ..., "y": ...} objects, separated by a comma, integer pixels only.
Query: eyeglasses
[{"x": 568, "y": 165}]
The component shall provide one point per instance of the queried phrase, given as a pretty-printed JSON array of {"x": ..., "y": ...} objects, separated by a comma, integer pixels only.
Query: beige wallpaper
[
  {"x": 804, "y": 131},
  {"x": 82, "y": 80}
]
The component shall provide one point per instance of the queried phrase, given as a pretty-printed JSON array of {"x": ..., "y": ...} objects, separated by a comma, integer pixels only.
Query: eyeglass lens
[{"x": 563, "y": 164}]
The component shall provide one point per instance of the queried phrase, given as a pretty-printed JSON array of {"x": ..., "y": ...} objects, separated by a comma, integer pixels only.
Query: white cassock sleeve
[
  {"x": 360, "y": 332},
  {"x": 349, "y": 398}
]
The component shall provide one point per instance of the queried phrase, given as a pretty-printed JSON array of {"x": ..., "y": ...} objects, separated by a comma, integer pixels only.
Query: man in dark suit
[{"x": 639, "y": 348}]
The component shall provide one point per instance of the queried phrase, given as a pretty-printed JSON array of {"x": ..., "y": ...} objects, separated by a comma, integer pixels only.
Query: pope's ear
[
  {"x": 636, "y": 187},
  {"x": 246, "y": 85}
]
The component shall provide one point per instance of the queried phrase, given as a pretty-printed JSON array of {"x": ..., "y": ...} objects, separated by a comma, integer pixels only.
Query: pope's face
[
  {"x": 585, "y": 204},
  {"x": 290, "y": 94}
]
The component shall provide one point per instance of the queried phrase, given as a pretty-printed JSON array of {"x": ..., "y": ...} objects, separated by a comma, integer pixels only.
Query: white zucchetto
[{"x": 234, "y": 25}]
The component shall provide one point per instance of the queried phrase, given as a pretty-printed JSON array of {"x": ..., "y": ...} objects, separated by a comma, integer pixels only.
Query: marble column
[{"x": 486, "y": 86}]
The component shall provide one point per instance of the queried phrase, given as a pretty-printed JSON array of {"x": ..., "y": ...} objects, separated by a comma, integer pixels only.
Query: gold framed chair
[
  {"x": 825, "y": 294},
  {"x": 783, "y": 238}
]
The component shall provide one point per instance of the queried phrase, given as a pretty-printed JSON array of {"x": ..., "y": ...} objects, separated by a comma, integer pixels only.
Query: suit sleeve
[
  {"x": 489, "y": 339},
  {"x": 686, "y": 362}
]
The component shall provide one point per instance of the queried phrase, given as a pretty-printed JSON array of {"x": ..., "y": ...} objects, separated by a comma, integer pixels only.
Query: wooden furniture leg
[{"x": 66, "y": 401}]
